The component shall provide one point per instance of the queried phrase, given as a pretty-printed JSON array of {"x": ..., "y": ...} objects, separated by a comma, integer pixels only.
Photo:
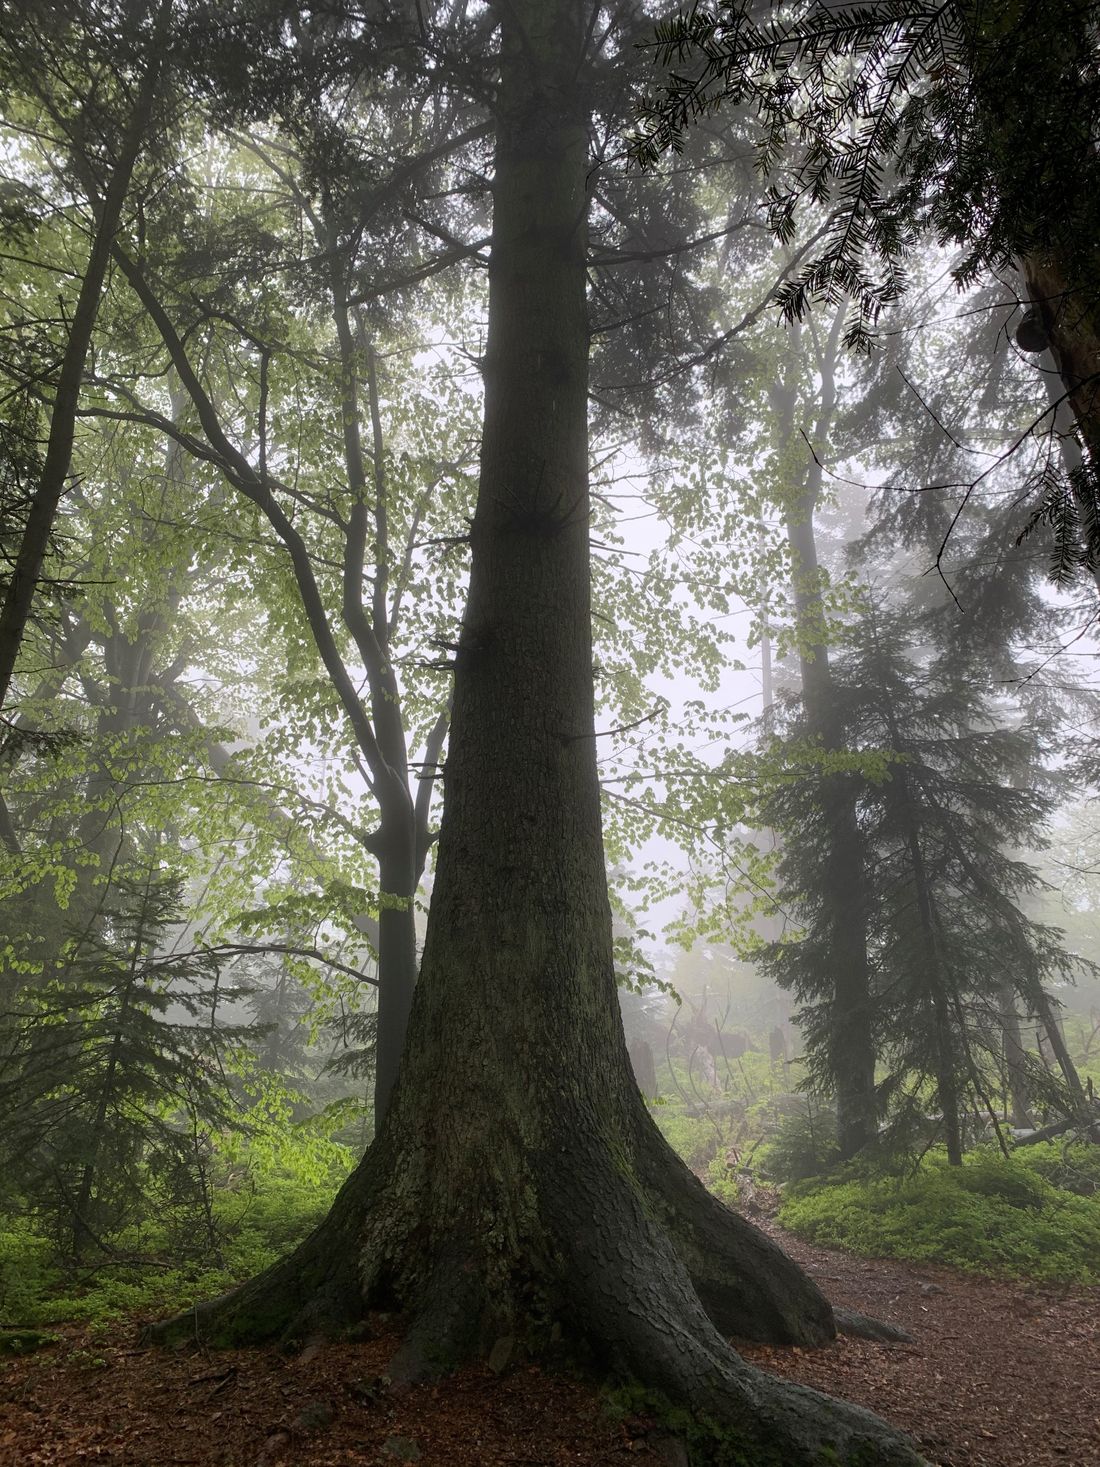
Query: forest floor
[{"x": 999, "y": 1375}]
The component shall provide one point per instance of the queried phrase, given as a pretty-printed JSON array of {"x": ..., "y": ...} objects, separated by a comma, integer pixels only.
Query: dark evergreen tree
[
  {"x": 112, "y": 1070},
  {"x": 947, "y": 925},
  {"x": 843, "y": 957},
  {"x": 547, "y": 1207}
]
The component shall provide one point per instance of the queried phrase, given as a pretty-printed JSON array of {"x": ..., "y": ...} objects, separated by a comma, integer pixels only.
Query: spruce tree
[
  {"x": 947, "y": 926},
  {"x": 111, "y": 1067},
  {"x": 543, "y": 1208}
]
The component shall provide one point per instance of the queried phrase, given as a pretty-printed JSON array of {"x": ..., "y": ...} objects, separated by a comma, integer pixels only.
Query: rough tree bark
[
  {"x": 518, "y": 1194},
  {"x": 1067, "y": 312}
]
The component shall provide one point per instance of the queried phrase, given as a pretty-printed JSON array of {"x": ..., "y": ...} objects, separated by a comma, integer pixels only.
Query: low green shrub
[
  {"x": 116, "y": 1291},
  {"x": 697, "y": 1139},
  {"x": 261, "y": 1220},
  {"x": 147, "y": 1273},
  {"x": 991, "y": 1216},
  {"x": 803, "y": 1145},
  {"x": 26, "y": 1271},
  {"x": 721, "y": 1179},
  {"x": 1073, "y": 1166},
  {"x": 988, "y": 1176}
]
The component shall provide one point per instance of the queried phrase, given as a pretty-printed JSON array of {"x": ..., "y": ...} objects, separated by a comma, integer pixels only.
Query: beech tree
[
  {"x": 547, "y": 1211},
  {"x": 113, "y": 118}
]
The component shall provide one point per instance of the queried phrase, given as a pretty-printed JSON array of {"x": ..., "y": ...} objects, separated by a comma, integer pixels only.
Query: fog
[{"x": 515, "y": 518}]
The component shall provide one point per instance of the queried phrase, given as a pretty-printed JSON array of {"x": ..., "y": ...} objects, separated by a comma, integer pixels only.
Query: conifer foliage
[
  {"x": 946, "y": 917},
  {"x": 111, "y": 1072},
  {"x": 973, "y": 123}
]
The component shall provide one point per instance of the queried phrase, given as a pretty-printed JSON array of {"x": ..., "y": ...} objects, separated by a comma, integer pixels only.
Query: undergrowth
[
  {"x": 1014, "y": 1217},
  {"x": 146, "y": 1272}
]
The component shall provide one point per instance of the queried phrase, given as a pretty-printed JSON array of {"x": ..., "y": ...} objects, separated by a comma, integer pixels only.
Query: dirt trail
[{"x": 999, "y": 1374}]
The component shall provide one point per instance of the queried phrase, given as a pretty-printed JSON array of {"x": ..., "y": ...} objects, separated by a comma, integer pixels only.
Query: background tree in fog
[{"x": 113, "y": 114}]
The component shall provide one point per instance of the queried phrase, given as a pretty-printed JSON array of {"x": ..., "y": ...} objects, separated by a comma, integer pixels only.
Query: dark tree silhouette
[{"x": 974, "y": 125}]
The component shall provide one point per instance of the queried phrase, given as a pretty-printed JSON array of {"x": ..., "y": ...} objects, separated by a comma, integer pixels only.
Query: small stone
[
  {"x": 315, "y": 1415},
  {"x": 501, "y": 1353},
  {"x": 401, "y": 1449}
]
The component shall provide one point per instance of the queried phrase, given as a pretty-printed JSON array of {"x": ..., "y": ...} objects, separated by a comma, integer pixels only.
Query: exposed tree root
[
  {"x": 864, "y": 1327},
  {"x": 617, "y": 1286},
  {"x": 748, "y": 1286},
  {"x": 632, "y": 1298}
]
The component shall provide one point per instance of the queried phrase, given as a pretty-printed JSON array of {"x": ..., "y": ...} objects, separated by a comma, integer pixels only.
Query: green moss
[
  {"x": 992, "y": 1216},
  {"x": 25, "y": 1341},
  {"x": 708, "y": 1442}
]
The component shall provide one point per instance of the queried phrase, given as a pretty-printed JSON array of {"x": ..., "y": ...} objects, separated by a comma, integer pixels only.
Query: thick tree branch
[{"x": 245, "y": 478}]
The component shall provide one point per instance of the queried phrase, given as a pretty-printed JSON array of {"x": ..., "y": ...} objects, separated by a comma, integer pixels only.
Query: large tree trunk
[
  {"x": 1069, "y": 328},
  {"x": 1014, "y": 1055},
  {"x": 518, "y": 1190}
]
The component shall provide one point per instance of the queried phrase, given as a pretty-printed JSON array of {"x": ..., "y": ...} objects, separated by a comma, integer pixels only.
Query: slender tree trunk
[
  {"x": 1014, "y": 1056},
  {"x": 59, "y": 448},
  {"x": 937, "y": 984},
  {"x": 82, "y": 1229},
  {"x": 519, "y": 1198},
  {"x": 1048, "y": 1017},
  {"x": 402, "y": 841},
  {"x": 397, "y": 958},
  {"x": 851, "y": 1041}
]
